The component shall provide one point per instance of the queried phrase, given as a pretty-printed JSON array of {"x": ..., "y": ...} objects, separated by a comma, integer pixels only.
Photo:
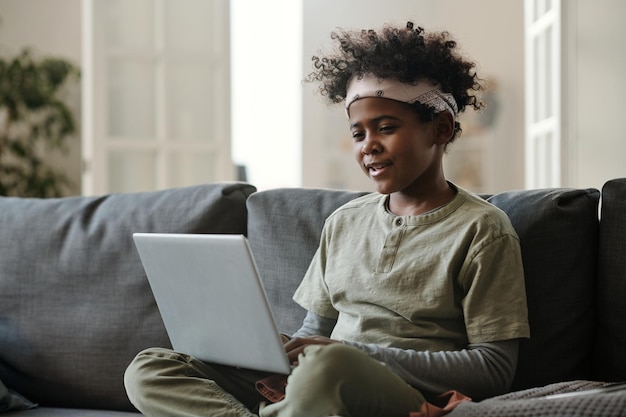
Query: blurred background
[{"x": 138, "y": 95}]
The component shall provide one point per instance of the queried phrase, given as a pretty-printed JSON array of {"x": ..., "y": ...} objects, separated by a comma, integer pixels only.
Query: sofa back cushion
[
  {"x": 75, "y": 306},
  {"x": 284, "y": 229},
  {"x": 610, "y": 350},
  {"x": 558, "y": 230}
]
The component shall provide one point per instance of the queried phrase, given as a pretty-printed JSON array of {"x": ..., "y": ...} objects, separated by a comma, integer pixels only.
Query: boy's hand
[{"x": 294, "y": 347}]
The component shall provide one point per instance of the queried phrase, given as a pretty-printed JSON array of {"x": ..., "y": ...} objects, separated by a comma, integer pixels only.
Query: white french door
[
  {"x": 543, "y": 55},
  {"x": 156, "y": 94}
]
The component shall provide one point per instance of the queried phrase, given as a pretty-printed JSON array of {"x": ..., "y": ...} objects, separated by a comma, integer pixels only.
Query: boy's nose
[{"x": 370, "y": 146}]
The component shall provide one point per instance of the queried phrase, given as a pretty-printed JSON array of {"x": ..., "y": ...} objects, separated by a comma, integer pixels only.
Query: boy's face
[{"x": 394, "y": 148}]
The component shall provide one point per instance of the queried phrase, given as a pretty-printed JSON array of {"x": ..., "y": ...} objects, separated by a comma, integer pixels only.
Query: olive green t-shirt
[{"x": 436, "y": 281}]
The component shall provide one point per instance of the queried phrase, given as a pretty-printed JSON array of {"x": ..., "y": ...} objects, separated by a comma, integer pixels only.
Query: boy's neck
[{"x": 404, "y": 204}]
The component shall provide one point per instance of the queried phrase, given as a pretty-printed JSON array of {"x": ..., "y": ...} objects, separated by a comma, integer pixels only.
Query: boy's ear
[{"x": 444, "y": 127}]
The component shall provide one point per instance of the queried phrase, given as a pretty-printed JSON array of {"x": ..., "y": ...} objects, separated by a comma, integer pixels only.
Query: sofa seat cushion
[{"x": 75, "y": 306}]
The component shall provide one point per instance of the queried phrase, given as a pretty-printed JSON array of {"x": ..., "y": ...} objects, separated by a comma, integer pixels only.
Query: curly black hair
[{"x": 406, "y": 54}]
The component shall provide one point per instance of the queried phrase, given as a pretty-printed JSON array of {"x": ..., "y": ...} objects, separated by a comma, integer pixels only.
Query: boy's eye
[
  {"x": 357, "y": 135},
  {"x": 387, "y": 128}
]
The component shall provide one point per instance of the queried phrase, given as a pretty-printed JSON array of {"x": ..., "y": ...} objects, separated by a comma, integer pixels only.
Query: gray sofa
[{"x": 75, "y": 306}]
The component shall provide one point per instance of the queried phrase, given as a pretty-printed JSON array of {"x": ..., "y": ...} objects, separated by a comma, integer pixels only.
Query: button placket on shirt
[{"x": 390, "y": 248}]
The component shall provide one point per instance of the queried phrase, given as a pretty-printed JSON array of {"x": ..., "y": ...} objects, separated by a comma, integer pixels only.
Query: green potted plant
[{"x": 35, "y": 121}]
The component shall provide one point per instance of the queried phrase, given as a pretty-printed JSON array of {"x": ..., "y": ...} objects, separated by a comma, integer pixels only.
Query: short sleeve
[
  {"x": 494, "y": 304},
  {"x": 313, "y": 294}
]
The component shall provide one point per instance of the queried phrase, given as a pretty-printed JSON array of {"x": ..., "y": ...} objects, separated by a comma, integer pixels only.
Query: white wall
[
  {"x": 598, "y": 134},
  {"x": 50, "y": 28},
  {"x": 488, "y": 31}
]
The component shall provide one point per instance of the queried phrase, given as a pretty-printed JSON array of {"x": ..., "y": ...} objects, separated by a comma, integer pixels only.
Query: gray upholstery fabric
[
  {"x": 75, "y": 306},
  {"x": 610, "y": 350},
  {"x": 558, "y": 230},
  {"x": 284, "y": 231}
]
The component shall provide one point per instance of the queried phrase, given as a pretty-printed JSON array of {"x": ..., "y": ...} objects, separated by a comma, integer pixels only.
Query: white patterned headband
[{"x": 423, "y": 92}]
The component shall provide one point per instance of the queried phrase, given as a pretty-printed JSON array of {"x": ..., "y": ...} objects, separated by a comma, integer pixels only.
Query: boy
[{"x": 415, "y": 290}]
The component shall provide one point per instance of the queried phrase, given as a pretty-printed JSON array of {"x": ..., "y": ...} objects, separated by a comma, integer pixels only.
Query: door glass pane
[
  {"x": 187, "y": 168},
  {"x": 190, "y": 99},
  {"x": 537, "y": 6},
  {"x": 129, "y": 24},
  {"x": 543, "y": 75},
  {"x": 189, "y": 24},
  {"x": 538, "y": 72},
  {"x": 132, "y": 171},
  {"x": 548, "y": 75},
  {"x": 131, "y": 99},
  {"x": 541, "y": 7},
  {"x": 548, "y": 5}
]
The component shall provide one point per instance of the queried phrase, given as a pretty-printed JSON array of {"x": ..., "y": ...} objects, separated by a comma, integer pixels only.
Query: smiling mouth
[{"x": 377, "y": 168}]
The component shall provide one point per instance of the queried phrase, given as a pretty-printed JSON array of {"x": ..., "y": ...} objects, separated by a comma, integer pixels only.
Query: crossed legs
[{"x": 329, "y": 380}]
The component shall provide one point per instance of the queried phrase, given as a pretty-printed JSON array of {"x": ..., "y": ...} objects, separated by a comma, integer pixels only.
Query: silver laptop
[{"x": 211, "y": 300}]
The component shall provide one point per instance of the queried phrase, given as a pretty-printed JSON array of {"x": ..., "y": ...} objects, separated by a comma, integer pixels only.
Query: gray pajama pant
[{"x": 329, "y": 380}]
